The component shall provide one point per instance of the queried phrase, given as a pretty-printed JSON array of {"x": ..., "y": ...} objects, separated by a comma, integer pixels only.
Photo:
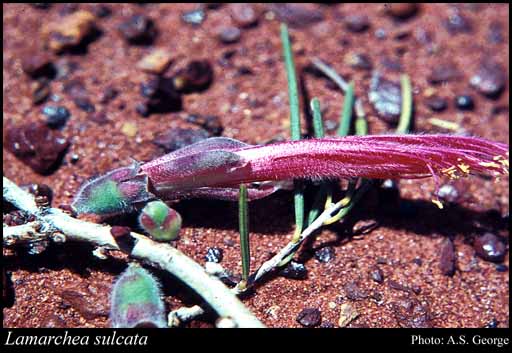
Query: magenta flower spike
[{"x": 215, "y": 167}]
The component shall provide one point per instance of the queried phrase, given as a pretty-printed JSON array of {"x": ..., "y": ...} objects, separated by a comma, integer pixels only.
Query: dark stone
[
  {"x": 142, "y": 109},
  {"x": 490, "y": 247},
  {"x": 214, "y": 255},
  {"x": 64, "y": 68},
  {"x": 101, "y": 10},
  {"x": 39, "y": 190},
  {"x": 443, "y": 72},
  {"x": 160, "y": 96},
  {"x": 377, "y": 275},
  {"x": 410, "y": 313},
  {"x": 490, "y": 78},
  {"x": 138, "y": 29},
  {"x": 74, "y": 158},
  {"x": 195, "y": 17},
  {"x": 457, "y": 23},
  {"x": 37, "y": 64},
  {"x": 56, "y": 116},
  {"x": 447, "y": 258},
  {"x": 309, "y": 317},
  {"x": 36, "y": 145},
  {"x": 229, "y": 35},
  {"x": 402, "y": 11},
  {"x": 492, "y": 324},
  {"x": 501, "y": 268},
  {"x": 464, "y": 102},
  {"x": 496, "y": 33},
  {"x": 99, "y": 118},
  {"x": 75, "y": 89},
  {"x": 244, "y": 15},
  {"x": 325, "y": 254},
  {"x": 108, "y": 95},
  {"x": 297, "y": 15},
  {"x": 84, "y": 104},
  {"x": 353, "y": 292},
  {"x": 417, "y": 261},
  {"x": 177, "y": 138},
  {"x": 294, "y": 270},
  {"x": 210, "y": 123},
  {"x": 40, "y": 91},
  {"x": 436, "y": 103},
  {"x": 357, "y": 23},
  {"x": 361, "y": 62},
  {"x": 386, "y": 98},
  {"x": 196, "y": 77}
]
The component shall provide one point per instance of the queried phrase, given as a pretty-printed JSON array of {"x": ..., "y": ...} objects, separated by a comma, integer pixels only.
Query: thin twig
[{"x": 159, "y": 255}]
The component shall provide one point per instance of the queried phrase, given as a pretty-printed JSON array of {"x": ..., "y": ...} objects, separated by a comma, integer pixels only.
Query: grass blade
[
  {"x": 318, "y": 126},
  {"x": 243, "y": 224},
  {"x": 404, "y": 123},
  {"x": 294, "y": 123},
  {"x": 346, "y": 112}
]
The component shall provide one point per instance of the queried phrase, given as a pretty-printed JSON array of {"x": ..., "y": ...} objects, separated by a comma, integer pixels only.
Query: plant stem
[
  {"x": 159, "y": 255},
  {"x": 318, "y": 126},
  {"x": 243, "y": 222}
]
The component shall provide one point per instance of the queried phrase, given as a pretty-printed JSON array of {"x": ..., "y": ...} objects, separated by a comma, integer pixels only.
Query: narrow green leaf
[
  {"x": 318, "y": 126},
  {"x": 346, "y": 112},
  {"x": 294, "y": 122},
  {"x": 404, "y": 124},
  {"x": 243, "y": 224}
]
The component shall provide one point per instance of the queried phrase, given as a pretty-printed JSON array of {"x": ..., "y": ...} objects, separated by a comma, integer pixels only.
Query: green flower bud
[{"x": 160, "y": 221}]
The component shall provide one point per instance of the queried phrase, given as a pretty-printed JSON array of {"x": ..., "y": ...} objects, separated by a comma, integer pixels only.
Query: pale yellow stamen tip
[
  {"x": 490, "y": 164},
  {"x": 438, "y": 203},
  {"x": 464, "y": 168}
]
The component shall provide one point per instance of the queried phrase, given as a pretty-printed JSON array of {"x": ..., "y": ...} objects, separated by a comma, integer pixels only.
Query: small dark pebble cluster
[
  {"x": 490, "y": 247},
  {"x": 325, "y": 254},
  {"x": 175, "y": 139},
  {"x": 447, "y": 258},
  {"x": 309, "y": 317},
  {"x": 294, "y": 270},
  {"x": 213, "y": 255},
  {"x": 37, "y": 146},
  {"x": 353, "y": 292},
  {"x": 410, "y": 313}
]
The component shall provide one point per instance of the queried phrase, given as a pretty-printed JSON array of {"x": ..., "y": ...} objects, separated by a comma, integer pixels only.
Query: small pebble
[
  {"x": 108, "y": 95},
  {"x": 447, "y": 258},
  {"x": 84, "y": 104},
  {"x": 194, "y": 17},
  {"x": 56, "y": 116},
  {"x": 99, "y": 118},
  {"x": 377, "y": 275},
  {"x": 309, "y": 317},
  {"x": 244, "y": 14},
  {"x": 501, "y": 268},
  {"x": 495, "y": 35},
  {"x": 294, "y": 270},
  {"x": 325, "y": 254},
  {"x": 297, "y": 15},
  {"x": 155, "y": 62},
  {"x": 357, "y": 23},
  {"x": 436, "y": 103},
  {"x": 36, "y": 145},
  {"x": 37, "y": 64},
  {"x": 69, "y": 31},
  {"x": 75, "y": 89},
  {"x": 464, "y": 102},
  {"x": 443, "y": 72},
  {"x": 197, "y": 76},
  {"x": 490, "y": 247},
  {"x": 175, "y": 139},
  {"x": 492, "y": 324},
  {"x": 386, "y": 98},
  {"x": 448, "y": 193},
  {"x": 214, "y": 255},
  {"x": 138, "y": 29},
  {"x": 65, "y": 67},
  {"x": 210, "y": 123},
  {"x": 359, "y": 61},
  {"x": 353, "y": 292},
  {"x": 229, "y": 35},
  {"x": 143, "y": 110},
  {"x": 129, "y": 129},
  {"x": 101, "y": 10},
  {"x": 490, "y": 78},
  {"x": 380, "y": 33},
  {"x": 457, "y": 23},
  {"x": 40, "y": 91},
  {"x": 402, "y": 10},
  {"x": 348, "y": 313},
  {"x": 410, "y": 313}
]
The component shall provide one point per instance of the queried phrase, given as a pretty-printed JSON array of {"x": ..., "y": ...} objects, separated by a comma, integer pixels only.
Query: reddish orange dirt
[{"x": 66, "y": 286}]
